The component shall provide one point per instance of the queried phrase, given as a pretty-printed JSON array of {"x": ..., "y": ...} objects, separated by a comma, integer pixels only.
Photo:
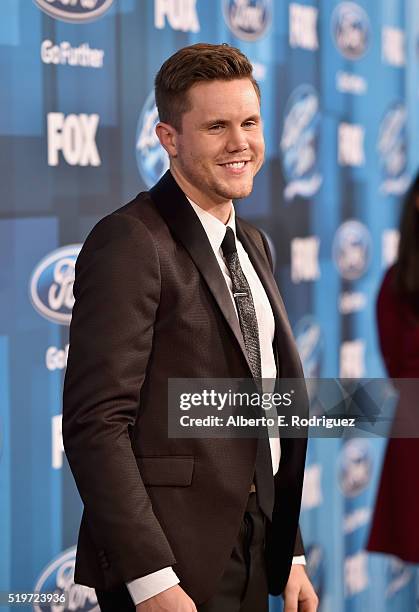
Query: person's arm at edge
[{"x": 390, "y": 324}]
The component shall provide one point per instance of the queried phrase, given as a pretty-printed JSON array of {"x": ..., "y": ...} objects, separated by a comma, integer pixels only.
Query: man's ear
[{"x": 168, "y": 138}]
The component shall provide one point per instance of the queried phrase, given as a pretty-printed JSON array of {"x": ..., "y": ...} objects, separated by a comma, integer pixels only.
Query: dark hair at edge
[
  {"x": 406, "y": 279},
  {"x": 196, "y": 64}
]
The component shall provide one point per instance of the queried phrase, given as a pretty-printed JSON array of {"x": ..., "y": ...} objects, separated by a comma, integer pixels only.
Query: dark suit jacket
[{"x": 151, "y": 303}]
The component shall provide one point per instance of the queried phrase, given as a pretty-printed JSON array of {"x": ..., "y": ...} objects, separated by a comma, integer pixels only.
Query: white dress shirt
[{"x": 152, "y": 584}]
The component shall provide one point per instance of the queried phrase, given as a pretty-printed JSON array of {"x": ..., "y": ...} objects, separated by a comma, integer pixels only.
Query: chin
[{"x": 237, "y": 192}]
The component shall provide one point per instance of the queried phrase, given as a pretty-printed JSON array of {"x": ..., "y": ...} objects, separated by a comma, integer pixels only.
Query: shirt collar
[{"x": 214, "y": 228}]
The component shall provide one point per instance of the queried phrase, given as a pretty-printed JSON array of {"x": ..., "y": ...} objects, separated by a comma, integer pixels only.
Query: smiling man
[
  {"x": 174, "y": 285},
  {"x": 218, "y": 148}
]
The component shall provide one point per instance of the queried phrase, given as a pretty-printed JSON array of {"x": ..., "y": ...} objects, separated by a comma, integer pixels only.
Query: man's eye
[
  {"x": 216, "y": 127},
  {"x": 249, "y": 123}
]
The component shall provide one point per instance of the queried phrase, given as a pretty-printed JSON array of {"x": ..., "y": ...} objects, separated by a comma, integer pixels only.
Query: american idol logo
[
  {"x": 309, "y": 338},
  {"x": 74, "y": 11},
  {"x": 392, "y": 149},
  {"x": 58, "y": 578},
  {"x": 300, "y": 141},
  {"x": 152, "y": 159},
  {"x": 248, "y": 19},
  {"x": 355, "y": 467},
  {"x": 51, "y": 284},
  {"x": 351, "y": 30},
  {"x": 352, "y": 249}
]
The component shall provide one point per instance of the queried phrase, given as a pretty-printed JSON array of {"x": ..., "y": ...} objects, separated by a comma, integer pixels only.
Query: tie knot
[{"x": 228, "y": 245}]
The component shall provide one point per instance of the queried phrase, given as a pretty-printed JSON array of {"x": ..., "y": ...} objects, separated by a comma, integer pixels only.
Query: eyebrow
[{"x": 255, "y": 117}]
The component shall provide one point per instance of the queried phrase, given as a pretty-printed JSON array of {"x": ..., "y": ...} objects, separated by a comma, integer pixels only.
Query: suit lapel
[
  {"x": 187, "y": 229},
  {"x": 284, "y": 342}
]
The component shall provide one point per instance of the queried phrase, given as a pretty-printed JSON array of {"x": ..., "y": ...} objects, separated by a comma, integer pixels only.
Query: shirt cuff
[
  {"x": 299, "y": 560},
  {"x": 143, "y": 588}
]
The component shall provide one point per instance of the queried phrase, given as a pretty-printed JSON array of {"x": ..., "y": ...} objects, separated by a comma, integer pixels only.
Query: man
[{"x": 171, "y": 524}]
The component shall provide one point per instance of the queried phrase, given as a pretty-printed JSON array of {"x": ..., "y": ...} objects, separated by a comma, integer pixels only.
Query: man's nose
[{"x": 237, "y": 141}]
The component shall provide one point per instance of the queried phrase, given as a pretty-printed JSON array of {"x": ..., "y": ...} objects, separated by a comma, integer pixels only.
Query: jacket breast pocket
[{"x": 166, "y": 471}]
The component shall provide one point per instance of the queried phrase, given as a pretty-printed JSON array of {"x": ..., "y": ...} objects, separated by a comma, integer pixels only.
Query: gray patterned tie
[
  {"x": 244, "y": 302},
  {"x": 250, "y": 332}
]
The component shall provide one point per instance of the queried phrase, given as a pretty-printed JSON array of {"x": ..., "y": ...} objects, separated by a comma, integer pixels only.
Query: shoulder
[
  {"x": 140, "y": 208},
  {"x": 387, "y": 288},
  {"x": 249, "y": 228},
  {"x": 255, "y": 234},
  {"x": 119, "y": 256},
  {"x": 133, "y": 222},
  {"x": 125, "y": 235}
]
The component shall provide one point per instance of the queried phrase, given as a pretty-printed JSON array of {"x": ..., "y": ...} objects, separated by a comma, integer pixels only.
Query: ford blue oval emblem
[
  {"x": 78, "y": 11},
  {"x": 51, "y": 284},
  {"x": 58, "y": 578}
]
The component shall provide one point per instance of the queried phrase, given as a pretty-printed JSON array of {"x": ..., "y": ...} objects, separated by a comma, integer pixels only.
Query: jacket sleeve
[
  {"x": 299, "y": 546},
  {"x": 116, "y": 290}
]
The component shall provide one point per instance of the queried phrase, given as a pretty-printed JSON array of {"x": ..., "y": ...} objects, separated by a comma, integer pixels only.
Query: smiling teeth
[{"x": 235, "y": 165}]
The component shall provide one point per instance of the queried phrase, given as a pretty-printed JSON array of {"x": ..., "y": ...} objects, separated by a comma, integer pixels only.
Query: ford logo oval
[
  {"x": 51, "y": 284},
  {"x": 76, "y": 11},
  {"x": 248, "y": 19},
  {"x": 58, "y": 578}
]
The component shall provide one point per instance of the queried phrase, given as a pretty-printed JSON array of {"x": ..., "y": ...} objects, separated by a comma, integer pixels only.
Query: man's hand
[
  {"x": 171, "y": 600},
  {"x": 299, "y": 595}
]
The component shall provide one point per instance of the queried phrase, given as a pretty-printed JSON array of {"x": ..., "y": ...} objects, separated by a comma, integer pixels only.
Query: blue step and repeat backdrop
[{"x": 340, "y": 89}]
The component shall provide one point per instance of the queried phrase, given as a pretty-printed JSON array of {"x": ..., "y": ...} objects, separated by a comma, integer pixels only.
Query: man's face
[{"x": 221, "y": 146}]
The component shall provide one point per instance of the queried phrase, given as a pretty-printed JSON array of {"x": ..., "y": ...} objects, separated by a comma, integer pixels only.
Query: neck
[{"x": 221, "y": 209}]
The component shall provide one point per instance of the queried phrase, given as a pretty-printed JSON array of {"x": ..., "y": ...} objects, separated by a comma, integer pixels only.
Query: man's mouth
[{"x": 235, "y": 165}]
